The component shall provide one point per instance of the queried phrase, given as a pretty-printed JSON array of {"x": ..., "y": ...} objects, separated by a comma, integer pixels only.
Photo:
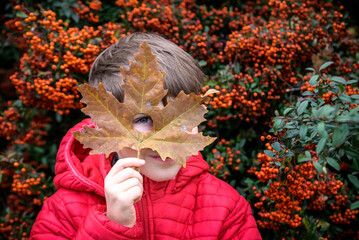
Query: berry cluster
[
  {"x": 30, "y": 132},
  {"x": 8, "y": 123},
  {"x": 89, "y": 12},
  {"x": 226, "y": 158},
  {"x": 57, "y": 59},
  {"x": 24, "y": 181}
]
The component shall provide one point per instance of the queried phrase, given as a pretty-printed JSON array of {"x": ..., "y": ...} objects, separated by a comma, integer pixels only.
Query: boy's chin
[
  {"x": 160, "y": 175},
  {"x": 161, "y": 178}
]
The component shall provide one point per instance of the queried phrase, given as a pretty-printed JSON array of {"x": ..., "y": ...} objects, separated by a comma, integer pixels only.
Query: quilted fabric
[{"x": 194, "y": 205}]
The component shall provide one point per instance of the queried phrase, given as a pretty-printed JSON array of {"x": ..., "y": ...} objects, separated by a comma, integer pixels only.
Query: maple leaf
[{"x": 143, "y": 91}]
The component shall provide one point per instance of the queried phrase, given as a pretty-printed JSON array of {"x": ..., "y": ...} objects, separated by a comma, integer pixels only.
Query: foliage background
[{"x": 286, "y": 115}]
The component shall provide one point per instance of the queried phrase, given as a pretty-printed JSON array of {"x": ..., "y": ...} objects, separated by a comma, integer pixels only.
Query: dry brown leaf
[
  {"x": 143, "y": 91},
  {"x": 206, "y": 97}
]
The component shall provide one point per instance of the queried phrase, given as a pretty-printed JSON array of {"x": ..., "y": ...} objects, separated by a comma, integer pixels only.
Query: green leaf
[
  {"x": 58, "y": 4},
  {"x": 314, "y": 80},
  {"x": 278, "y": 163},
  {"x": 276, "y": 146},
  {"x": 354, "y": 180},
  {"x": 354, "y": 205},
  {"x": 326, "y": 110},
  {"x": 314, "y": 133},
  {"x": 58, "y": 117},
  {"x": 278, "y": 123},
  {"x": 17, "y": 103},
  {"x": 287, "y": 110},
  {"x": 323, "y": 225},
  {"x": 339, "y": 136},
  {"x": 289, "y": 154},
  {"x": 345, "y": 98},
  {"x": 303, "y": 131},
  {"x": 339, "y": 80},
  {"x": 321, "y": 145},
  {"x": 237, "y": 67},
  {"x": 341, "y": 88},
  {"x": 351, "y": 152},
  {"x": 249, "y": 182},
  {"x": 21, "y": 15},
  {"x": 352, "y": 81},
  {"x": 318, "y": 167},
  {"x": 325, "y": 65},
  {"x": 308, "y": 93},
  {"x": 291, "y": 133},
  {"x": 269, "y": 153},
  {"x": 75, "y": 17},
  {"x": 302, "y": 158},
  {"x": 307, "y": 154},
  {"x": 356, "y": 96},
  {"x": 241, "y": 143},
  {"x": 67, "y": 10},
  {"x": 310, "y": 69},
  {"x": 202, "y": 63},
  {"x": 343, "y": 118},
  {"x": 290, "y": 125},
  {"x": 39, "y": 150},
  {"x": 306, "y": 223},
  {"x": 321, "y": 130},
  {"x": 302, "y": 107},
  {"x": 333, "y": 163}
]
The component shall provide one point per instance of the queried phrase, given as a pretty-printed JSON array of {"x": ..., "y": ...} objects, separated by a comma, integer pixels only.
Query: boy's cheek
[
  {"x": 143, "y": 127},
  {"x": 127, "y": 153}
]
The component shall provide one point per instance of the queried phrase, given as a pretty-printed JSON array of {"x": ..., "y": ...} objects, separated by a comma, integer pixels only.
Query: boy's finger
[
  {"x": 125, "y": 163},
  {"x": 129, "y": 183},
  {"x": 134, "y": 193},
  {"x": 124, "y": 174}
]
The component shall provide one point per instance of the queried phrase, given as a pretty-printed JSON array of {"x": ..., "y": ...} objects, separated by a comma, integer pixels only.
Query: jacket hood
[{"x": 75, "y": 169}]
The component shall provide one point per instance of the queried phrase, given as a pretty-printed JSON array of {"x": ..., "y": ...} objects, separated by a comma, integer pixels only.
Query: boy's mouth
[{"x": 158, "y": 158}]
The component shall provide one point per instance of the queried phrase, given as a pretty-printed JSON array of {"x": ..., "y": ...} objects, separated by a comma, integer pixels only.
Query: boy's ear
[{"x": 166, "y": 99}]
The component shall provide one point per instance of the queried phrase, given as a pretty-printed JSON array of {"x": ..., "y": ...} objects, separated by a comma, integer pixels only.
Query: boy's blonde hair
[{"x": 182, "y": 72}]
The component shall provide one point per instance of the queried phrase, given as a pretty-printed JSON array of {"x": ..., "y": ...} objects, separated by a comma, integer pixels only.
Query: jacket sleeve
[
  {"x": 240, "y": 223},
  {"x": 55, "y": 222}
]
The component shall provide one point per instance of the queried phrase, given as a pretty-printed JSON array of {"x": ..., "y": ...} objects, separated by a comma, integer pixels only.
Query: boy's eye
[{"x": 142, "y": 122}]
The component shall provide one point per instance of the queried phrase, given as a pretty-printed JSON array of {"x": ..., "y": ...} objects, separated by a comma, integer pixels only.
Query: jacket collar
[{"x": 75, "y": 169}]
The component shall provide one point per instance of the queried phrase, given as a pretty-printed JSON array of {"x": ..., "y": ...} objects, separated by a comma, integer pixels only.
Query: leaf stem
[{"x": 138, "y": 157}]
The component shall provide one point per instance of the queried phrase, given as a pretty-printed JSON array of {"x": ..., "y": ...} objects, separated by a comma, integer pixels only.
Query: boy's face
[{"x": 155, "y": 168}]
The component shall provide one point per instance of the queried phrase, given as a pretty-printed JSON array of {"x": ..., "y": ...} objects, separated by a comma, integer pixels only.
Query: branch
[{"x": 319, "y": 119}]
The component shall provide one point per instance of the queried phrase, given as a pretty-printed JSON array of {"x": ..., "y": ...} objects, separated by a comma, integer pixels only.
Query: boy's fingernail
[{"x": 141, "y": 161}]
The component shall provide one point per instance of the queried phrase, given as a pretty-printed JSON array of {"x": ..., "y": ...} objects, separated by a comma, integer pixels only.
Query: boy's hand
[{"x": 123, "y": 188}]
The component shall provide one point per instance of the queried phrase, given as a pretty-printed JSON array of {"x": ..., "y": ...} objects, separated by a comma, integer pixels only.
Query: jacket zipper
[{"x": 144, "y": 214}]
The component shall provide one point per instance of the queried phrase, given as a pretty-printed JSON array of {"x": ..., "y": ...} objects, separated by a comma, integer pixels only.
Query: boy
[{"x": 106, "y": 198}]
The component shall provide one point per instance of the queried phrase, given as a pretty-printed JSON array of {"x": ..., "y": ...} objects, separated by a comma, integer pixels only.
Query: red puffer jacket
[{"x": 194, "y": 205}]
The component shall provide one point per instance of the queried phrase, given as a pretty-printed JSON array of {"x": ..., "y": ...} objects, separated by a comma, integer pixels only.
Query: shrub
[{"x": 309, "y": 167}]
